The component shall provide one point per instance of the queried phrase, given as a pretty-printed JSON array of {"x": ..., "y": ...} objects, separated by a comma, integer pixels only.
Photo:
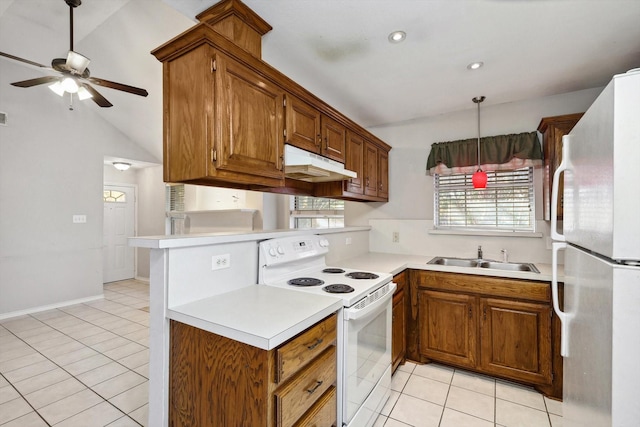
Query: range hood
[{"x": 306, "y": 166}]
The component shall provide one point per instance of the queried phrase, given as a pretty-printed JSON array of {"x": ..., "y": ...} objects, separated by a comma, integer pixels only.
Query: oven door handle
[{"x": 354, "y": 313}]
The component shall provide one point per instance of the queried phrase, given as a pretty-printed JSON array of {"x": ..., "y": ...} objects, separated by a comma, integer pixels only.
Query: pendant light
[{"x": 479, "y": 178}]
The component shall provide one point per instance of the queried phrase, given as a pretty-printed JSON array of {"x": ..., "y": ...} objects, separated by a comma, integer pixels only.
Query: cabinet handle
[
  {"x": 281, "y": 162},
  {"x": 470, "y": 313},
  {"x": 381, "y": 186},
  {"x": 367, "y": 181},
  {"x": 315, "y": 344},
  {"x": 319, "y": 141},
  {"x": 484, "y": 313},
  {"x": 311, "y": 390}
]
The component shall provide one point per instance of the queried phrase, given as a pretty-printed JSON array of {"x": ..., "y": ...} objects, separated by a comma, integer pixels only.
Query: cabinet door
[
  {"x": 354, "y": 161},
  {"x": 249, "y": 121},
  {"x": 334, "y": 138},
  {"x": 383, "y": 174},
  {"x": 370, "y": 170},
  {"x": 516, "y": 340},
  {"x": 302, "y": 125},
  {"x": 448, "y": 327},
  {"x": 398, "y": 335}
]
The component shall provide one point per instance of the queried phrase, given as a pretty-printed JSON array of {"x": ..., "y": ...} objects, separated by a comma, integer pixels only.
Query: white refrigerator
[{"x": 601, "y": 244}]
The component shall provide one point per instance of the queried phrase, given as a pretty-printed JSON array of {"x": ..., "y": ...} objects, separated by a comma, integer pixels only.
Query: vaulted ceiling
[{"x": 338, "y": 49}]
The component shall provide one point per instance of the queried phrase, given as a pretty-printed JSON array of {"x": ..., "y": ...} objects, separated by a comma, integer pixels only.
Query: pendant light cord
[{"x": 478, "y": 100}]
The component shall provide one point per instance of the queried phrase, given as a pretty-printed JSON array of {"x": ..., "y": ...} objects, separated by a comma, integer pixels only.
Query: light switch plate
[{"x": 79, "y": 219}]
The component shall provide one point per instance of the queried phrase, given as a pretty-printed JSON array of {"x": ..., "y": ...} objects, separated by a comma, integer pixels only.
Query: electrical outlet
[
  {"x": 219, "y": 262},
  {"x": 348, "y": 241},
  {"x": 396, "y": 237},
  {"x": 79, "y": 219}
]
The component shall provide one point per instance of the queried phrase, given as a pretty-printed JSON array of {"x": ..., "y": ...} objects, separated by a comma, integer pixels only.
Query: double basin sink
[{"x": 482, "y": 263}]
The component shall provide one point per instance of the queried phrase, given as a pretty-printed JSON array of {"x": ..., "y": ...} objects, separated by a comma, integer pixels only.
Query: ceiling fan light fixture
[
  {"x": 83, "y": 93},
  {"x": 57, "y": 88},
  {"x": 69, "y": 85},
  {"x": 121, "y": 166}
]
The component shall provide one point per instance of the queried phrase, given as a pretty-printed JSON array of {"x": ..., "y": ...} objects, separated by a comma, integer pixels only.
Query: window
[
  {"x": 316, "y": 212},
  {"x": 505, "y": 205},
  {"x": 114, "y": 196}
]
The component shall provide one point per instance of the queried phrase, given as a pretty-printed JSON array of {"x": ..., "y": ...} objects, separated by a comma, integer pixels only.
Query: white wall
[
  {"x": 151, "y": 213},
  {"x": 411, "y": 189},
  {"x": 51, "y": 167}
]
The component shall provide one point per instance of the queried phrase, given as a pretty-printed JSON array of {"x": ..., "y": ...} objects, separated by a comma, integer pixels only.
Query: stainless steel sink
[
  {"x": 492, "y": 265},
  {"x": 510, "y": 266},
  {"x": 454, "y": 262}
]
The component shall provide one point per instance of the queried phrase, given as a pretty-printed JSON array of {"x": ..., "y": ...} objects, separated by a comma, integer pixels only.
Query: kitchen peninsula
[{"x": 186, "y": 287}]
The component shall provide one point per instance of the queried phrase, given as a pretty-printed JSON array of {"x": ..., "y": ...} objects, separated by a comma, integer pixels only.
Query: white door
[{"x": 119, "y": 224}]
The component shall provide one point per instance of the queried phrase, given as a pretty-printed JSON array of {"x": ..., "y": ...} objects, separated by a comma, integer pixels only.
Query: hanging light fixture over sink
[{"x": 479, "y": 178}]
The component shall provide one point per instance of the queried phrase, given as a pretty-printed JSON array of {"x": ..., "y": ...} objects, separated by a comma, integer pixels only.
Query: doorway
[{"x": 119, "y": 224}]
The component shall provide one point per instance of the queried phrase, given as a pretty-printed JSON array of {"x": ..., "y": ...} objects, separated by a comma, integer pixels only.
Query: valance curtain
[{"x": 502, "y": 152}]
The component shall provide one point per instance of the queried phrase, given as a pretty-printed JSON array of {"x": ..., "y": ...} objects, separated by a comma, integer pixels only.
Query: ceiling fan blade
[
  {"x": 35, "y": 82},
  {"x": 118, "y": 86},
  {"x": 97, "y": 98},
  {"x": 26, "y": 61}
]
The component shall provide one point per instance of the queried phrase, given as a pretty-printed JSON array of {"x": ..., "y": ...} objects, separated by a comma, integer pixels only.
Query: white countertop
[
  {"x": 258, "y": 315},
  {"x": 202, "y": 239},
  {"x": 395, "y": 263}
]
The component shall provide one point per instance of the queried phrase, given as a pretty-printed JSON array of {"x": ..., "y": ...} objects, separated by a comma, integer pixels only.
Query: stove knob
[
  {"x": 324, "y": 243},
  {"x": 280, "y": 250},
  {"x": 272, "y": 252}
]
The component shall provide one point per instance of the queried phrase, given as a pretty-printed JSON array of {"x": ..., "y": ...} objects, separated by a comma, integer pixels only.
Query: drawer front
[
  {"x": 299, "y": 351},
  {"x": 323, "y": 413},
  {"x": 294, "y": 398}
]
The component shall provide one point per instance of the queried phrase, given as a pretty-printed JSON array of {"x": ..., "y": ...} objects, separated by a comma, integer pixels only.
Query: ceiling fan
[{"x": 74, "y": 76}]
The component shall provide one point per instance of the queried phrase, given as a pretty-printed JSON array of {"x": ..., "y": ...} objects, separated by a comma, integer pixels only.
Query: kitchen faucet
[{"x": 479, "y": 252}]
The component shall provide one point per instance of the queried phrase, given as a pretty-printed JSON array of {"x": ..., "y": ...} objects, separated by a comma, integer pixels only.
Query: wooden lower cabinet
[
  {"x": 496, "y": 326},
  {"x": 448, "y": 327},
  {"x": 398, "y": 313},
  {"x": 216, "y": 381}
]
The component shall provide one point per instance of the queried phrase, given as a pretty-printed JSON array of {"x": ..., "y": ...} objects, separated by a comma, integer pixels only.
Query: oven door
[{"x": 367, "y": 359}]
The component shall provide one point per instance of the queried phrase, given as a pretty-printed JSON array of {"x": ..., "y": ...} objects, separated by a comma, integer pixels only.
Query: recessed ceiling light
[
  {"x": 475, "y": 65},
  {"x": 397, "y": 36}
]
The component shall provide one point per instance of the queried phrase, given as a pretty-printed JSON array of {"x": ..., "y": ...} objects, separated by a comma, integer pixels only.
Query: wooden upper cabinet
[
  {"x": 248, "y": 118},
  {"x": 370, "y": 170},
  {"x": 552, "y": 130},
  {"x": 383, "y": 174},
  {"x": 228, "y": 114},
  {"x": 334, "y": 139},
  {"x": 354, "y": 161},
  {"x": 302, "y": 124},
  {"x": 228, "y": 130}
]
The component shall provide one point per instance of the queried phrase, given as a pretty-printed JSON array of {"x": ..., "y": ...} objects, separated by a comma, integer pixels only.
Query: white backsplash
[{"x": 415, "y": 239}]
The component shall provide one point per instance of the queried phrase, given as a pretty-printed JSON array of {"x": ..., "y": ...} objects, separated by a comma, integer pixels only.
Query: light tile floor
[
  {"x": 83, "y": 365},
  {"x": 87, "y": 365},
  {"x": 438, "y": 396}
]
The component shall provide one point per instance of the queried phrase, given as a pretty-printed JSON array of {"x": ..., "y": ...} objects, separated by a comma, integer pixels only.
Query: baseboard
[
  {"x": 48, "y": 307},
  {"x": 142, "y": 279}
]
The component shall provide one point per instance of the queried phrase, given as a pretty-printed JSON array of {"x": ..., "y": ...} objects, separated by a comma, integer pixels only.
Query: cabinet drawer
[
  {"x": 295, "y": 397},
  {"x": 299, "y": 351},
  {"x": 323, "y": 413}
]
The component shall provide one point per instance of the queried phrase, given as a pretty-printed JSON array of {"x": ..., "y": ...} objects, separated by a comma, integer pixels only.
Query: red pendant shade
[{"x": 479, "y": 179}]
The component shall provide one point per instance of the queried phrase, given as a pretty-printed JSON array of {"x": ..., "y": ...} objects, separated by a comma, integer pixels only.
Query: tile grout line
[{"x": 23, "y": 398}]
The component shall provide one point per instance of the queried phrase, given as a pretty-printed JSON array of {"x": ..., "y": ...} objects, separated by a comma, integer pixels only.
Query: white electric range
[{"x": 364, "y": 335}]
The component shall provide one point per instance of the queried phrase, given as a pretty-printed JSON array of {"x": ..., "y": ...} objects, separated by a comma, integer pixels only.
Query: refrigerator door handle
[
  {"x": 564, "y": 317},
  {"x": 563, "y": 166}
]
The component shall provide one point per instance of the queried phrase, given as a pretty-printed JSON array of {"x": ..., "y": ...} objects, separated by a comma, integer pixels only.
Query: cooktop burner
[
  {"x": 361, "y": 275},
  {"x": 338, "y": 289},
  {"x": 333, "y": 270},
  {"x": 305, "y": 281}
]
